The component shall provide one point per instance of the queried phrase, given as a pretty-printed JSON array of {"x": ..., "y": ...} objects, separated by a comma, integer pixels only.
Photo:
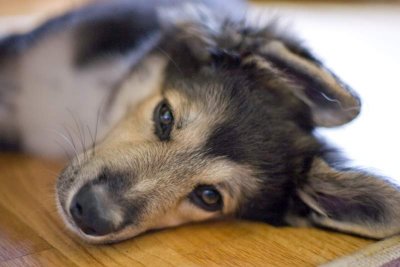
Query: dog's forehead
[
  {"x": 227, "y": 110},
  {"x": 214, "y": 89},
  {"x": 209, "y": 100},
  {"x": 250, "y": 123}
]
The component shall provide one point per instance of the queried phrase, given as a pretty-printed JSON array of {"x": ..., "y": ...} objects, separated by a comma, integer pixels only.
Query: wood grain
[
  {"x": 32, "y": 233},
  {"x": 16, "y": 238},
  {"x": 50, "y": 257}
]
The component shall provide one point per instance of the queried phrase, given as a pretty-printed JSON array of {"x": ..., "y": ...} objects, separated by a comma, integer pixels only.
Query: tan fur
[{"x": 164, "y": 177}]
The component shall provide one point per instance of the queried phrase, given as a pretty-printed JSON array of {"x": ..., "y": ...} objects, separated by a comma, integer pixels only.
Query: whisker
[
  {"x": 99, "y": 115},
  {"x": 91, "y": 137},
  {"x": 99, "y": 112},
  {"x": 49, "y": 171},
  {"x": 80, "y": 133},
  {"x": 67, "y": 140},
  {"x": 73, "y": 143},
  {"x": 68, "y": 156},
  {"x": 170, "y": 59}
]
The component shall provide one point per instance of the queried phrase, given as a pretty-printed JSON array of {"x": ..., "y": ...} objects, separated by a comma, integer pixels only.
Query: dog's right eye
[
  {"x": 163, "y": 120},
  {"x": 207, "y": 197}
]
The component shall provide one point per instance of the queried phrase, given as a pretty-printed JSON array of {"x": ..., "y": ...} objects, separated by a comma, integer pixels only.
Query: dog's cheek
[
  {"x": 269, "y": 206},
  {"x": 184, "y": 213}
]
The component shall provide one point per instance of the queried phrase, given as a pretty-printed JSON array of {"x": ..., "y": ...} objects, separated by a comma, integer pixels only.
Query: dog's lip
[
  {"x": 77, "y": 230},
  {"x": 71, "y": 225},
  {"x": 106, "y": 239}
]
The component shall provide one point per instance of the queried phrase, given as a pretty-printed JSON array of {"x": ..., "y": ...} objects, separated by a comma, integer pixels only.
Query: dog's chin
[
  {"x": 117, "y": 236},
  {"x": 101, "y": 240}
]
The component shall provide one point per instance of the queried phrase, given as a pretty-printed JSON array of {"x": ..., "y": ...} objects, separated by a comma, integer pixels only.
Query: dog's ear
[
  {"x": 331, "y": 101},
  {"x": 349, "y": 201}
]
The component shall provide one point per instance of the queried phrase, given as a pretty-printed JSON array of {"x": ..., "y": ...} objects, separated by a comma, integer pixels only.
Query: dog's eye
[
  {"x": 206, "y": 197},
  {"x": 163, "y": 120}
]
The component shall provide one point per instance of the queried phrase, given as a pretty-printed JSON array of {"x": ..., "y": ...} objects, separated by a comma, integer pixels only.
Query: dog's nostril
[{"x": 78, "y": 209}]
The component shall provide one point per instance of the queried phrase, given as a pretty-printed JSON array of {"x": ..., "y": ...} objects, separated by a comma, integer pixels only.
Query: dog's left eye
[
  {"x": 163, "y": 120},
  {"x": 207, "y": 197}
]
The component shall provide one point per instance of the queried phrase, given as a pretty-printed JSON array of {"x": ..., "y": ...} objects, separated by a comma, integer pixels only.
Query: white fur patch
[{"x": 58, "y": 107}]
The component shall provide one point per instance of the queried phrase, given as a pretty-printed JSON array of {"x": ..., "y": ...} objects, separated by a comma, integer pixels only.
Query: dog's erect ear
[
  {"x": 331, "y": 101},
  {"x": 349, "y": 201}
]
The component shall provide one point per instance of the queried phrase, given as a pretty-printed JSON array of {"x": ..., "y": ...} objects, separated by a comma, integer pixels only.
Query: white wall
[{"x": 362, "y": 45}]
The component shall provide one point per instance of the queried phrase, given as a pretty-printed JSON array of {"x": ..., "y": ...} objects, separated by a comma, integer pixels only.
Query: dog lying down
[{"x": 201, "y": 115}]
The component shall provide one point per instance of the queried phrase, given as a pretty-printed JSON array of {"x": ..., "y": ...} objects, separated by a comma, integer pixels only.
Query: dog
[{"x": 185, "y": 112}]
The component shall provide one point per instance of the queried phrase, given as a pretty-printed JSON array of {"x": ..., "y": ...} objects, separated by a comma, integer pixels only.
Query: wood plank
[
  {"x": 269, "y": 246},
  {"x": 50, "y": 258},
  {"x": 28, "y": 185},
  {"x": 16, "y": 238}
]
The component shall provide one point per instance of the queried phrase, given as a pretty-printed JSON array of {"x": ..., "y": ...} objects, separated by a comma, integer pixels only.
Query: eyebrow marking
[{"x": 227, "y": 187}]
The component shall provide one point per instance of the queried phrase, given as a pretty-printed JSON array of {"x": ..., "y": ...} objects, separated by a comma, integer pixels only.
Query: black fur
[
  {"x": 99, "y": 30},
  {"x": 12, "y": 45},
  {"x": 260, "y": 129},
  {"x": 265, "y": 126},
  {"x": 114, "y": 29}
]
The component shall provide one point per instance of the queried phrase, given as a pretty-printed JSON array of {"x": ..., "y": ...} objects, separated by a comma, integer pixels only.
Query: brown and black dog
[{"x": 199, "y": 115}]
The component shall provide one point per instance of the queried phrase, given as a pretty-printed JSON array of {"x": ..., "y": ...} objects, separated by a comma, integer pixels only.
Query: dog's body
[{"x": 200, "y": 115}]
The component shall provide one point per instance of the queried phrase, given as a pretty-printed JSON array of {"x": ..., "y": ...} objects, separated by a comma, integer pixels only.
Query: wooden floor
[{"x": 32, "y": 234}]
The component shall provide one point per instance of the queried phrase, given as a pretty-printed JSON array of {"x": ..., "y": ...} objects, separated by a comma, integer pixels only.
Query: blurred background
[{"x": 358, "y": 40}]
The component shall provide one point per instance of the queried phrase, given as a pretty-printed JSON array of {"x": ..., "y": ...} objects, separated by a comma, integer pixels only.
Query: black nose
[{"x": 89, "y": 211}]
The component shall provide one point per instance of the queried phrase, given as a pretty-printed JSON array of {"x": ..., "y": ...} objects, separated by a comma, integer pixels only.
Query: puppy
[{"x": 185, "y": 112}]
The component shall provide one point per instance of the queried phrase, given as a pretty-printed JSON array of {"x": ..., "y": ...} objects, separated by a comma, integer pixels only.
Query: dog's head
[{"x": 227, "y": 133}]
